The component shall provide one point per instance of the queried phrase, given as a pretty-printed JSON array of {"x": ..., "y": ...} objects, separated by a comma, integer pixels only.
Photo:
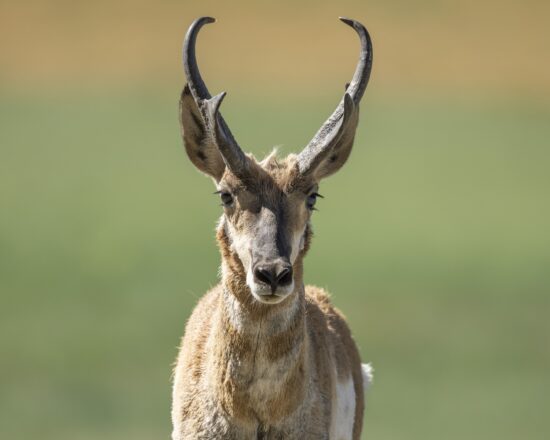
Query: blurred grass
[
  {"x": 493, "y": 45},
  {"x": 433, "y": 239}
]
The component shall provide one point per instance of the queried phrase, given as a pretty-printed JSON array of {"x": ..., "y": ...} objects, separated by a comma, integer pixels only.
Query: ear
[
  {"x": 199, "y": 143},
  {"x": 341, "y": 150},
  {"x": 331, "y": 146}
]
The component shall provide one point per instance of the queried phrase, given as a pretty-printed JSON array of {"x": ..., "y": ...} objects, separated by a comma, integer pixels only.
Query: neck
[{"x": 260, "y": 348}]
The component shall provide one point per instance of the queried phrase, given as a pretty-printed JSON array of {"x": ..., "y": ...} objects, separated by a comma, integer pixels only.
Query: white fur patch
[
  {"x": 298, "y": 243},
  {"x": 240, "y": 244},
  {"x": 343, "y": 410}
]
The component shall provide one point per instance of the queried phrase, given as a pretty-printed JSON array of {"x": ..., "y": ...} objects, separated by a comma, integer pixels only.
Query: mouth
[
  {"x": 266, "y": 293},
  {"x": 266, "y": 296},
  {"x": 270, "y": 299}
]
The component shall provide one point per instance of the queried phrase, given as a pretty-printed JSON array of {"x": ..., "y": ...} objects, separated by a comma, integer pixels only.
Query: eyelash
[
  {"x": 227, "y": 199},
  {"x": 311, "y": 200}
]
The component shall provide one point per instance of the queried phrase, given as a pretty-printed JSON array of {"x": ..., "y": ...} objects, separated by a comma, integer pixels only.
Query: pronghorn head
[{"x": 267, "y": 205}]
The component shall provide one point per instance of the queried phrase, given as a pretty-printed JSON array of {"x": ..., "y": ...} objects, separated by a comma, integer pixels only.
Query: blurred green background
[{"x": 434, "y": 239}]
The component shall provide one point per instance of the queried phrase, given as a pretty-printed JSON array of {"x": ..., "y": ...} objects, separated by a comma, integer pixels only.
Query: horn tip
[
  {"x": 348, "y": 21},
  {"x": 207, "y": 19}
]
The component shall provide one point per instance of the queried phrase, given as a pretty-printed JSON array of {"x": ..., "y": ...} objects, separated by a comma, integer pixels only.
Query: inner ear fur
[{"x": 199, "y": 143}]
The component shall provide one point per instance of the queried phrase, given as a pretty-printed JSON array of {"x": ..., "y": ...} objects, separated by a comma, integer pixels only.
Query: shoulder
[
  {"x": 204, "y": 309},
  {"x": 318, "y": 299},
  {"x": 193, "y": 342},
  {"x": 327, "y": 322},
  {"x": 198, "y": 325},
  {"x": 209, "y": 300},
  {"x": 317, "y": 295},
  {"x": 329, "y": 325},
  {"x": 323, "y": 317}
]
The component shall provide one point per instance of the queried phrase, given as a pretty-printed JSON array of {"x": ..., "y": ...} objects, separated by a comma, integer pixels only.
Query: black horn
[
  {"x": 332, "y": 143},
  {"x": 216, "y": 128}
]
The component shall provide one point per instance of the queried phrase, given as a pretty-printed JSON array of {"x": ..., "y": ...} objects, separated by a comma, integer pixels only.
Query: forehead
[
  {"x": 269, "y": 177},
  {"x": 272, "y": 194}
]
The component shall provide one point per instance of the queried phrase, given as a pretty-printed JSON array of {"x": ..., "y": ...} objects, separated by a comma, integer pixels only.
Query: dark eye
[
  {"x": 227, "y": 199},
  {"x": 311, "y": 199}
]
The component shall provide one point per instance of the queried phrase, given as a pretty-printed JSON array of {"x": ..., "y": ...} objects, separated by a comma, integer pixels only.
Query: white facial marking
[
  {"x": 241, "y": 245},
  {"x": 298, "y": 243}
]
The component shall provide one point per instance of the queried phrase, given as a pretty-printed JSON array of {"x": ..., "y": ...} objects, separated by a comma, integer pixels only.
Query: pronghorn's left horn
[
  {"x": 217, "y": 130},
  {"x": 331, "y": 145}
]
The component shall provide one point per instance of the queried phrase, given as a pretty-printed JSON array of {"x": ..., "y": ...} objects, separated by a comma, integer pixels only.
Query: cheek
[
  {"x": 240, "y": 243},
  {"x": 298, "y": 243},
  {"x": 298, "y": 222}
]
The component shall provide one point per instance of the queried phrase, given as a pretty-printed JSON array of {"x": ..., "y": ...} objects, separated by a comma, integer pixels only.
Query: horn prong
[
  {"x": 324, "y": 138},
  {"x": 207, "y": 105}
]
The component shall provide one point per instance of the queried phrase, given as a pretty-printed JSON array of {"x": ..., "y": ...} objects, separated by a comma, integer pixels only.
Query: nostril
[
  {"x": 263, "y": 275},
  {"x": 285, "y": 276},
  {"x": 273, "y": 275}
]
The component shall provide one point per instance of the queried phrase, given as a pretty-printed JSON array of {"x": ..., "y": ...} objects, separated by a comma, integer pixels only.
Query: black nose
[{"x": 273, "y": 274}]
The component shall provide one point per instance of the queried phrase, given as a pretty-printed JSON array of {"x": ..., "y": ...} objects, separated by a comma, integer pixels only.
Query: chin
[{"x": 265, "y": 296}]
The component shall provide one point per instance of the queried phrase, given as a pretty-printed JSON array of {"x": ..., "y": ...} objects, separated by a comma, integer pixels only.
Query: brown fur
[{"x": 249, "y": 370}]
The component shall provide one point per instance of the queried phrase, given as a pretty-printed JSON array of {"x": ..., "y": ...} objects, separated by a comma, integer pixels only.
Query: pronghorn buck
[{"x": 263, "y": 356}]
